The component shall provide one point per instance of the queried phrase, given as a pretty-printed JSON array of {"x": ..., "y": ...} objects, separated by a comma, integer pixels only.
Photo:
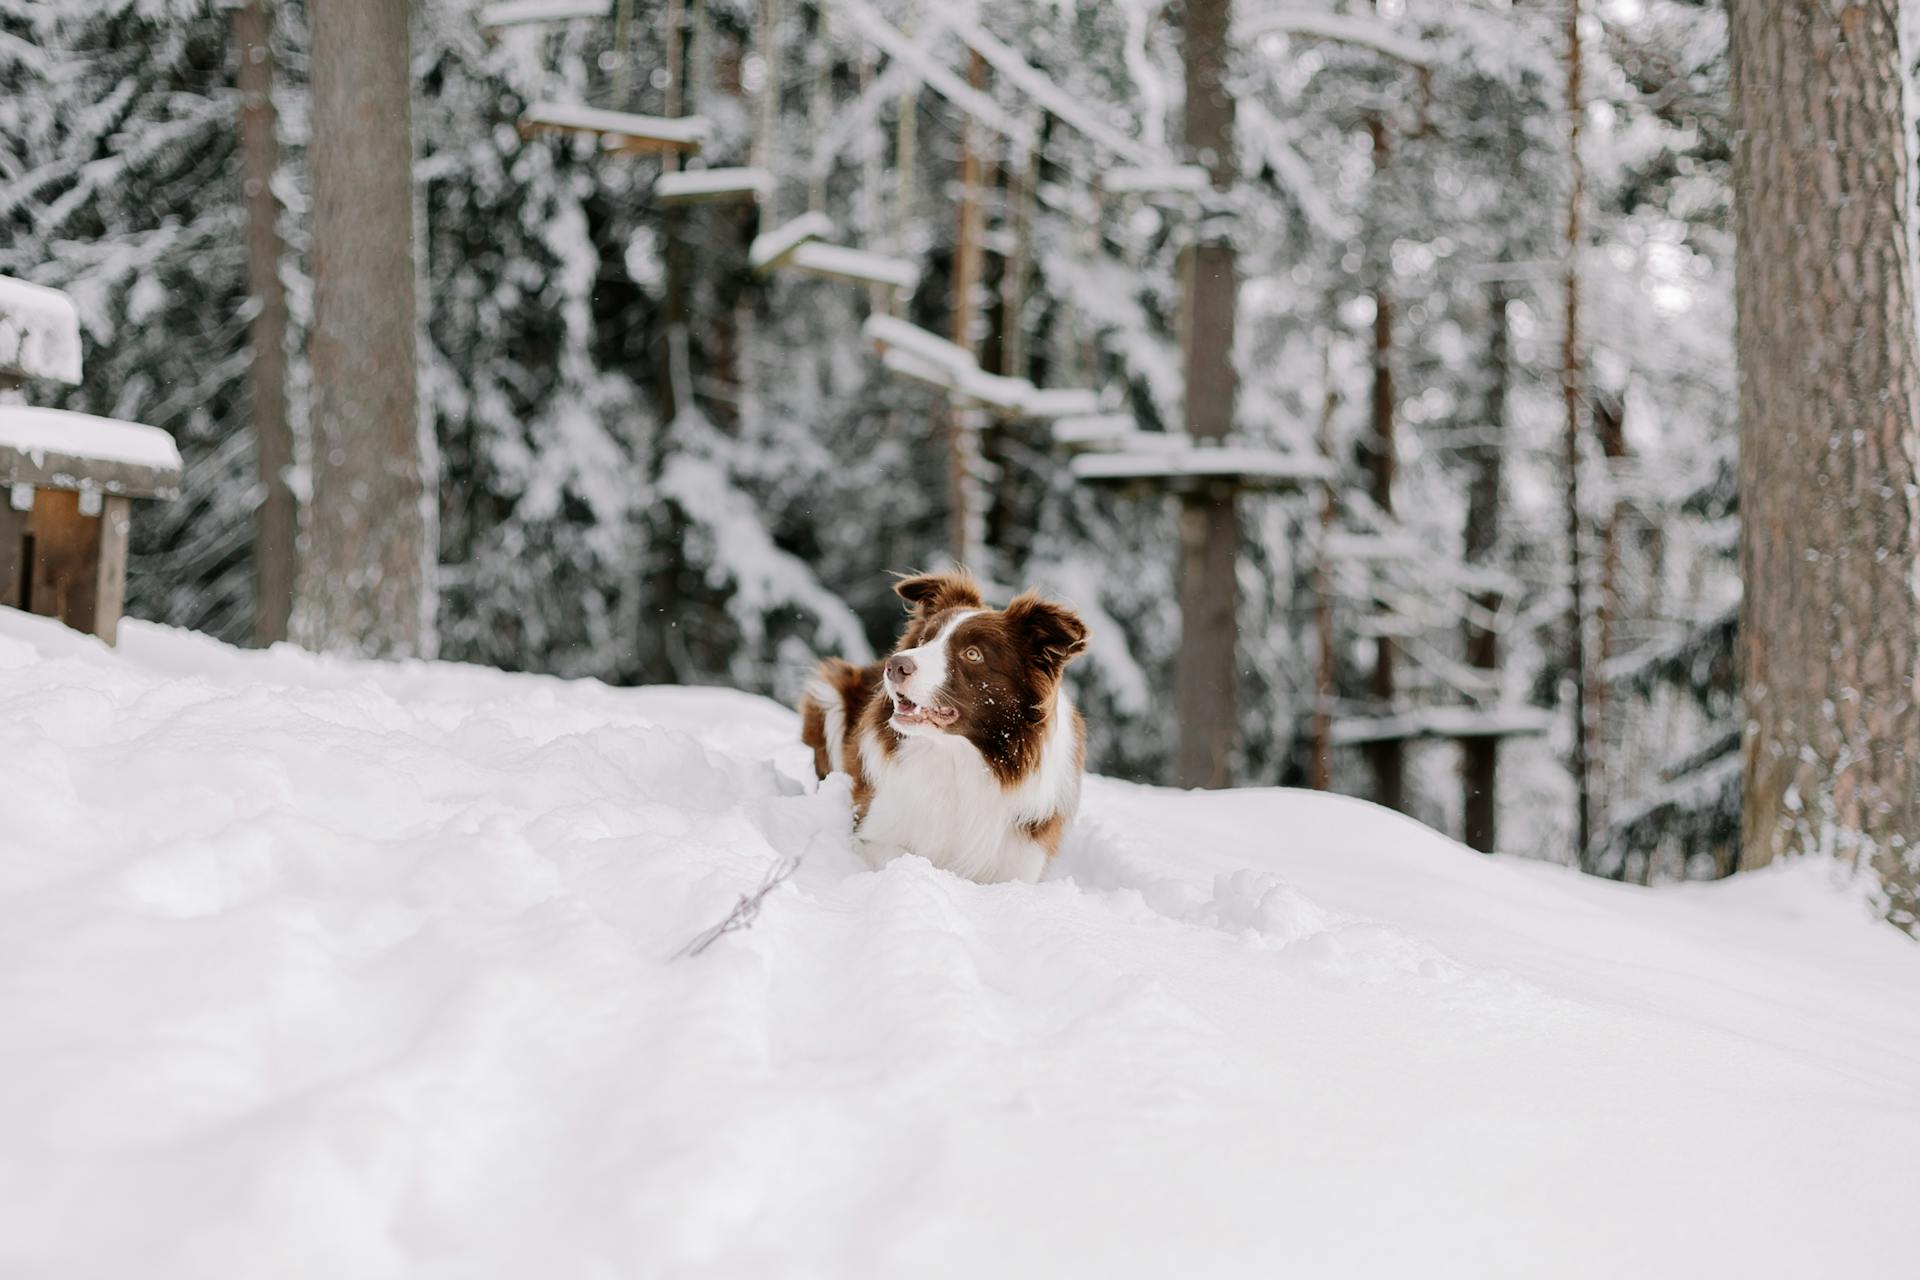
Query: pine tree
[{"x": 1829, "y": 399}]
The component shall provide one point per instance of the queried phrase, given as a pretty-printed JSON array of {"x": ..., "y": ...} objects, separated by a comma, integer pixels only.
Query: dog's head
[{"x": 985, "y": 674}]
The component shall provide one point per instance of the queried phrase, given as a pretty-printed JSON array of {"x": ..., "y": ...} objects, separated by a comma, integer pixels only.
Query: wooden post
[
  {"x": 1209, "y": 517},
  {"x": 1023, "y": 180},
  {"x": 1387, "y": 758},
  {"x": 276, "y": 521},
  {"x": 820, "y": 104},
  {"x": 674, "y": 104}
]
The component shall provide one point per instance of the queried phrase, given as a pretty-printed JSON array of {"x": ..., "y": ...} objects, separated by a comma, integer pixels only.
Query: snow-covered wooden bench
[{"x": 66, "y": 479}]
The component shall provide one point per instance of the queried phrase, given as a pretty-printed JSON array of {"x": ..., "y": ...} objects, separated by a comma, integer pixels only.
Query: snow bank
[{"x": 319, "y": 968}]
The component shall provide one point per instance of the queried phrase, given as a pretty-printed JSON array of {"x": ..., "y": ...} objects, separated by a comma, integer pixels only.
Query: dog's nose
[{"x": 899, "y": 667}]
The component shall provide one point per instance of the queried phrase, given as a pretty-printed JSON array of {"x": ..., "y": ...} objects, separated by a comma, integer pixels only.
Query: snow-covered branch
[{"x": 1342, "y": 28}]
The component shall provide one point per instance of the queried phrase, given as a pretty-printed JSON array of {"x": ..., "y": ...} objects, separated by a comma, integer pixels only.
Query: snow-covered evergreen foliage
[{"x": 658, "y": 466}]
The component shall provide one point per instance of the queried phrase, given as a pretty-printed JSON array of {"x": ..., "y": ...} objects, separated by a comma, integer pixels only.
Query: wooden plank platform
[
  {"x": 712, "y": 186},
  {"x": 1198, "y": 465},
  {"x": 620, "y": 132},
  {"x": 60, "y": 449},
  {"x": 771, "y": 249},
  {"x": 852, "y": 266},
  {"x": 1447, "y": 723}
]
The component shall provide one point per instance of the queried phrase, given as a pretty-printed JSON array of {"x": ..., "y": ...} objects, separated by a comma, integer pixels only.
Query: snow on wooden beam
[
  {"x": 1006, "y": 396},
  {"x": 1061, "y": 402},
  {"x": 39, "y": 333},
  {"x": 852, "y": 266},
  {"x": 1450, "y": 723},
  {"x": 888, "y": 332},
  {"x": 712, "y": 186},
  {"x": 618, "y": 131},
  {"x": 1178, "y": 179},
  {"x": 1197, "y": 465},
  {"x": 520, "y": 13},
  {"x": 59, "y": 449},
  {"x": 1342, "y": 28},
  {"x": 772, "y": 248},
  {"x": 902, "y": 363}
]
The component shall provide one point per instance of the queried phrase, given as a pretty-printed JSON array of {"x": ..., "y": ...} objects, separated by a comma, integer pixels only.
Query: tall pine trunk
[
  {"x": 1480, "y": 757},
  {"x": 1387, "y": 758},
  {"x": 276, "y": 520},
  {"x": 365, "y": 584},
  {"x": 1209, "y": 520},
  {"x": 1829, "y": 444},
  {"x": 1573, "y": 375}
]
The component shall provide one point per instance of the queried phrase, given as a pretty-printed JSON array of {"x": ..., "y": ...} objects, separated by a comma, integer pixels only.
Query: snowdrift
[{"x": 317, "y": 968}]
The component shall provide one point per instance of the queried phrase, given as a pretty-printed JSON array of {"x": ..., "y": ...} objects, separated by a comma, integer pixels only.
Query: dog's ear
[
  {"x": 929, "y": 593},
  {"x": 1052, "y": 632}
]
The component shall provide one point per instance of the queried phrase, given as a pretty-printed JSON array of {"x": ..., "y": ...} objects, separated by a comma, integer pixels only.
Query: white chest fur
[{"x": 935, "y": 796}]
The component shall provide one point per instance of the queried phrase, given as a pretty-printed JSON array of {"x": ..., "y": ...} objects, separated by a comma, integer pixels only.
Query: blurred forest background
[{"x": 655, "y": 463}]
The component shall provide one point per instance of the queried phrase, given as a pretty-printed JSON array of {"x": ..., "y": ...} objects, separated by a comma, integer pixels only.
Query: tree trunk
[
  {"x": 1829, "y": 449},
  {"x": 1610, "y": 433},
  {"x": 1325, "y": 666},
  {"x": 1387, "y": 758},
  {"x": 1209, "y": 520},
  {"x": 966, "y": 517},
  {"x": 1572, "y": 390},
  {"x": 276, "y": 521},
  {"x": 1480, "y": 757},
  {"x": 366, "y": 582}
]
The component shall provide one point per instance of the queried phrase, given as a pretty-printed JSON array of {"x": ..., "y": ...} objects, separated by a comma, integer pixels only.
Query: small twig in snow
[{"x": 744, "y": 911}]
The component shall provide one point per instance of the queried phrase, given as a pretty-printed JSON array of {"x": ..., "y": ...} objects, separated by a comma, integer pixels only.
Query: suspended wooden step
[
  {"x": 39, "y": 334},
  {"x": 522, "y": 13},
  {"x": 1449, "y": 723},
  {"x": 906, "y": 365},
  {"x": 852, "y": 266},
  {"x": 929, "y": 349},
  {"x": 771, "y": 249},
  {"x": 619, "y": 131},
  {"x": 1061, "y": 402},
  {"x": 1106, "y": 431},
  {"x": 712, "y": 186},
  {"x": 1196, "y": 465},
  {"x": 1167, "y": 180}
]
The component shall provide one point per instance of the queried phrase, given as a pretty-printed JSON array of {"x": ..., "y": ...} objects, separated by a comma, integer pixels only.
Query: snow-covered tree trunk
[
  {"x": 1829, "y": 441},
  {"x": 364, "y": 583},
  {"x": 1209, "y": 521},
  {"x": 276, "y": 520}
]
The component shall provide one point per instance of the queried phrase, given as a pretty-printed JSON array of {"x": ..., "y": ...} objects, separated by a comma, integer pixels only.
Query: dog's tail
[{"x": 832, "y": 703}]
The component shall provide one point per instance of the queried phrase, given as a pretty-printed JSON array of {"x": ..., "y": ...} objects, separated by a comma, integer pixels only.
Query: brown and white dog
[{"x": 963, "y": 745}]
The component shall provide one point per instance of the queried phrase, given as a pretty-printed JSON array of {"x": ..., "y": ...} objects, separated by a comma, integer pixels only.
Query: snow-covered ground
[{"x": 315, "y": 968}]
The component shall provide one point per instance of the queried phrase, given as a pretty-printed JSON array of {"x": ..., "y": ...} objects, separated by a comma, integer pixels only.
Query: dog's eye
[{"x": 973, "y": 654}]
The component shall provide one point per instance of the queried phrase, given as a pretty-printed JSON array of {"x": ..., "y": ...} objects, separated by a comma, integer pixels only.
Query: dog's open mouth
[{"x": 907, "y": 711}]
